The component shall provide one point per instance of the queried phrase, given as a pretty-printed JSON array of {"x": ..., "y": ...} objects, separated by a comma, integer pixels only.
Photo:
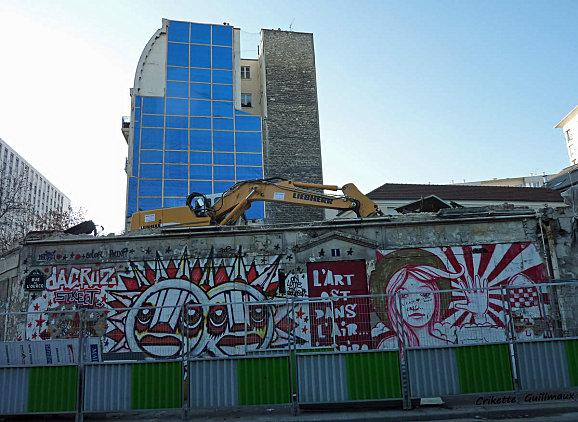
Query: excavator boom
[{"x": 229, "y": 208}]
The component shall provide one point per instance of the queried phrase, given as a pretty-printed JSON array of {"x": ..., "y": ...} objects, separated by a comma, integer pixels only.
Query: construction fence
[{"x": 417, "y": 343}]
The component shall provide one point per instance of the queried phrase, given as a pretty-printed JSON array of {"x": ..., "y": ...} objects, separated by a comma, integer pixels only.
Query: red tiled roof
[{"x": 464, "y": 192}]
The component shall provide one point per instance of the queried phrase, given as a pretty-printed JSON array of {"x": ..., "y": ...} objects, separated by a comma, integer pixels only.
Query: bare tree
[{"x": 17, "y": 213}]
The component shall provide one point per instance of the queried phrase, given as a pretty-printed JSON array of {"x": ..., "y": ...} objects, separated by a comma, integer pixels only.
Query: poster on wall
[{"x": 342, "y": 322}]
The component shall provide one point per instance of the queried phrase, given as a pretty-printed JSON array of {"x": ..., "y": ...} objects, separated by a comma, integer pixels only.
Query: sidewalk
[{"x": 262, "y": 414}]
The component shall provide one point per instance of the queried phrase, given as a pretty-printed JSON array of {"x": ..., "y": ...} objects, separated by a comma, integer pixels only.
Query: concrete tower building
[{"x": 203, "y": 119}]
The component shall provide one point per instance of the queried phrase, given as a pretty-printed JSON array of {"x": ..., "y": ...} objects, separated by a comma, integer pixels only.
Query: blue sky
[{"x": 409, "y": 91}]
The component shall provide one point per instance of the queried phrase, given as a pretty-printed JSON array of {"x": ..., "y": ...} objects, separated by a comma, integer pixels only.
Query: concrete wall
[
  {"x": 342, "y": 258},
  {"x": 292, "y": 146},
  {"x": 252, "y": 86}
]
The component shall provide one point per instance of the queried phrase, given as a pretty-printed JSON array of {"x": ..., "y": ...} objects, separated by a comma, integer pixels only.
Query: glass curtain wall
[{"x": 193, "y": 139}]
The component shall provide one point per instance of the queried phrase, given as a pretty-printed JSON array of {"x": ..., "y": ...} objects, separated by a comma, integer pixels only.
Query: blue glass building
[{"x": 187, "y": 132}]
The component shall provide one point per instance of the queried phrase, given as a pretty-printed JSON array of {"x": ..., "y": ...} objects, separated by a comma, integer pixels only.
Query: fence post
[
  {"x": 80, "y": 369},
  {"x": 403, "y": 366},
  {"x": 510, "y": 336},
  {"x": 293, "y": 366},
  {"x": 185, "y": 375}
]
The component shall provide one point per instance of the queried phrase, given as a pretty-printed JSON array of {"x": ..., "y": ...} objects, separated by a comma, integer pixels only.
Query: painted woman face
[{"x": 417, "y": 302}]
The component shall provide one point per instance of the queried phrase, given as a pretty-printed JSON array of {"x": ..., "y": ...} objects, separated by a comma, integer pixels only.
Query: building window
[
  {"x": 246, "y": 100},
  {"x": 245, "y": 72}
]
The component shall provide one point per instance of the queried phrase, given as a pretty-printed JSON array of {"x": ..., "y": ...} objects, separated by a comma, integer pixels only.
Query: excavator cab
[{"x": 199, "y": 204}]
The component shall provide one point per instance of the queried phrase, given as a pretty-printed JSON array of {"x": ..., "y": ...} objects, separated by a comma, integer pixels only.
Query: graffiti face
[
  {"x": 229, "y": 319},
  {"x": 416, "y": 300},
  {"x": 166, "y": 315}
]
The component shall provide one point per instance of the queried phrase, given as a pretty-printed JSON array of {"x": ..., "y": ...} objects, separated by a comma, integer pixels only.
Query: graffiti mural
[
  {"x": 343, "y": 321},
  {"x": 66, "y": 289},
  {"x": 457, "y": 295},
  {"x": 212, "y": 306}
]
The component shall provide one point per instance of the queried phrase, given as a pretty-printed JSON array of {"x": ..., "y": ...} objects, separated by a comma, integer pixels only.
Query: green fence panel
[
  {"x": 571, "y": 347},
  {"x": 373, "y": 376},
  {"x": 52, "y": 389},
  {"x": 156, "y": 385},
  {"x": 484, "y": 368},
  {"x": 263, "y": 381}
]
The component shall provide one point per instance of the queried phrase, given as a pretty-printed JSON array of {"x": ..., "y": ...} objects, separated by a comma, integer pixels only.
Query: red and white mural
[{"x": 457, "y": 295}]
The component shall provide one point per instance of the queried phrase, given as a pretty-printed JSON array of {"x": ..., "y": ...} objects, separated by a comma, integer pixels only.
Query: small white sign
[
  {"x": 149, "y": 218},
  {"x": 279, "y": 196}
]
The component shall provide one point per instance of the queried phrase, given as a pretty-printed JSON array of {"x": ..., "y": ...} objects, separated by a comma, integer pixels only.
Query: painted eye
[
  {"x": 145, "y": 315},
  {"x": 218, "y": 315},
  {"x": 426, "y": 295},
  {"x": 258, "y": 314},
  {"x": 404, "y": 295},
  {"x": 193, "y": 316}
]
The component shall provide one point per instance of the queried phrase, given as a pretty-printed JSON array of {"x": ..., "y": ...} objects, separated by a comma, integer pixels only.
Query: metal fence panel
[
  {"x": 107, "y": 387},
  {"x": 484, "y": 369},
  {"x": 433, "y": 372},
  {"x": 14, "y": 388},
  {"x": 322, "y": 378},
  {"x": 542, "y": 365},
  {"x": 213, "y": 383}
]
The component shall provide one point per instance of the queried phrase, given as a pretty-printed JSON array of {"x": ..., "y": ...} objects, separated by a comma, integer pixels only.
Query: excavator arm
[{"x": 232, "y": 204}]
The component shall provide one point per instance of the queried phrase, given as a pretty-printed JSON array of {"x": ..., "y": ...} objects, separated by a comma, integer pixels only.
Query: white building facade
[
  {"x": 33, "y": 187},
  {"x": 569, "y": 126}
]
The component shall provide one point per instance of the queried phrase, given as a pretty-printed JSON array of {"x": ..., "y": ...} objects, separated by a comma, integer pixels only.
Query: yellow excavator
[{"x": 232, "y": 204}]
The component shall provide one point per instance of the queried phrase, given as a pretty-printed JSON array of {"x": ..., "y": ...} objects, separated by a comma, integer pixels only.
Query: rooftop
[
  {"x": 566, "y": 118},
  {"x": 464, "y": 192}
]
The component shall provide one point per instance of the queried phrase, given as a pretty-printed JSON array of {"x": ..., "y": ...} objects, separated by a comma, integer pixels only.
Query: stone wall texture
[{"x": 292, "y": 146}]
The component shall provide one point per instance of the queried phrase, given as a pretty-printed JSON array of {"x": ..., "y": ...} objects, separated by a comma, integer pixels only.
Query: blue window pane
[
  {"x": 177, "y": 122},
  {"x": 200, "y": 33},
  {"x": 221, "y": 187},
  {"x": 249, "y": 159},
  {"x": 201, "y": 187},
  {"x": 223, "y": 92},
  {"x": 136, "y": 115},
  {"x": 131, "y": 203},
  {"x": 200, "y": 108},
  {"x": 200, "y": 123},
  {"x": 223, "y": 109},
  {"x": 153, "y": 105},
  {"x": 153, "y": 120},
  {"x": 135, "y": 161},
  {"x": 249, "y": 141},
  {"x": 245, "y": 173},
  {"x": 179, "y": 31},
  {"x": 222, "y": 58},
  {"x": 137, "y": 101},
  {"x": 222, "y": 77},
  {"x": 248, "y": 123},
  {"x": 176, "y": 139},
  {"x": 200, "y": 56},
  {"x": 178, "y": 54},
  {"x": 177, "y": 89},
  {"x": 201, "y": 91},
  {"x": 256, "y": 212},
  {"x": 176, "y": 188},
  {"x": 201, "y": 140},
  {"x": 151, "y": 171},
  {"x": 151, "y": 156},
  {"x": 176, "y": 157},
  {"x": 173, "y": 171},
  {"x": 174, "y": 202},
  {"x": 200, "y": 158},
  {"x": 223, "y": 35},
  {"x": 177, "y": 73},
  {"x": 200, "y": 75},
  {"x": 223, "y": 141},
  {"x": 177, "y": 106},
  {"x": 201, "y": 172},
  {"x": 223, "y": 124},
  {"x": 150, "y": 188},
  {"x": 152, "y": 138},
  {"x": 145, "y": 204},
  {"x": 224, "y": 158},
  {"x": 224, "y": 173}
]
